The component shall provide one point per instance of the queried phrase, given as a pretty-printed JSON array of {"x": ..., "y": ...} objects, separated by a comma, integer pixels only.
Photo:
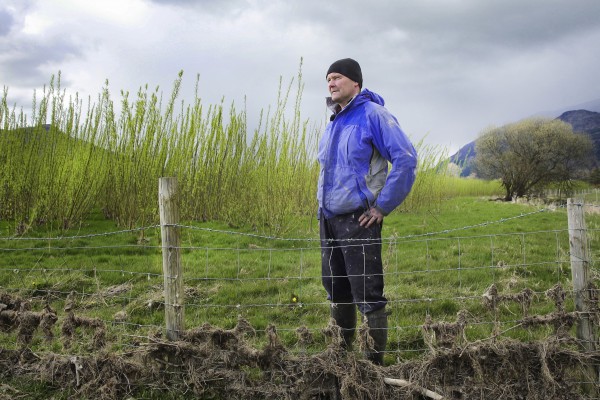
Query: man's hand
[{"x": 370, "y": 217}]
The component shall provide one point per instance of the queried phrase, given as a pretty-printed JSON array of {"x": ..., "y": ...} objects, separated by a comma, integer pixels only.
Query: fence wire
[
  {"x": 410, "y": 256},
  {"x": 494, "y": 282}
]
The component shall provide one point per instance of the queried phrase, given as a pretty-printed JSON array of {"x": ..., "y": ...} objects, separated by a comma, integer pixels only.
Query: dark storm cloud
[
  {"x": 12, "y": 14},
  {"x": 201, "y": 3},
  {"x": 466, "y": 31},
  {"x": 456, "y": 47},
  {"x": 217, "y": 7},
  {"x": 525, "y": 24},
  {"x": 22, "y": 59},
  {"x": 470, "y": 26},
  {"x": 22, "y": 56}
]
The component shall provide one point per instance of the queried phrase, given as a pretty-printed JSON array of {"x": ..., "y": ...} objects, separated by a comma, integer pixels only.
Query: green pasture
[{"x": 437, "y": 263}]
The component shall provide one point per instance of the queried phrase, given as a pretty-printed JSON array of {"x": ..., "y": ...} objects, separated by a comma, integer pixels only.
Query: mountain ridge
[{"x": 591, "y": 105}]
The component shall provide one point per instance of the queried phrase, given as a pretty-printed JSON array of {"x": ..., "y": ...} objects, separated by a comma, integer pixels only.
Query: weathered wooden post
[
  {"x": 580, "y": 264},
  {"x": 168, "y": 197}
]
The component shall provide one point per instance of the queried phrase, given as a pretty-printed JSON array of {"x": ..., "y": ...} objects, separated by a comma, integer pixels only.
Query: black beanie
[{"x": 349, "y": 68}]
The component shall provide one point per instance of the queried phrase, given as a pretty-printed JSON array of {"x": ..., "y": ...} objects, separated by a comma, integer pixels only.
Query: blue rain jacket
[{"x": 354, "y": 153}]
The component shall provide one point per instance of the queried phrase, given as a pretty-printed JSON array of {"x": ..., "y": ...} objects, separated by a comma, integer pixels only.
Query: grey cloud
[
  {"x": 216, "y": 7},
  {"x": 465, "y": 26},
  {"x": 486, "y": 29},
  {"x": 22, "y": 62},
  {"x": 12, "y": 14},
  {"x": 6, "y": 22},
  {"x": 439, "y": 45}
]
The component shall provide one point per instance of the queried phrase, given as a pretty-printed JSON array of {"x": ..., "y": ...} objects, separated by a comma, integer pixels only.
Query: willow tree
[{"x": 531, "y": 154}]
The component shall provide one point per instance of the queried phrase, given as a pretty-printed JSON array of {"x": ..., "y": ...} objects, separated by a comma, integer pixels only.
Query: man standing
[{"x": 355, "y": 192}]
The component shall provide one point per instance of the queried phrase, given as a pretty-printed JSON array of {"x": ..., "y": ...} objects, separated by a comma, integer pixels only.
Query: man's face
[{"x": 341, "y": 88}]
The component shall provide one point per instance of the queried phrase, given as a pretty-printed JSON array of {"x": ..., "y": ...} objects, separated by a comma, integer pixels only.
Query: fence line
[
  {"x": 415, "y": 267},
  {"x": 220, "y": 231},
  {"x": 273, "y": 238},
  {"x": 495, "y": 263},
  {"x": 470, "y": 288}
]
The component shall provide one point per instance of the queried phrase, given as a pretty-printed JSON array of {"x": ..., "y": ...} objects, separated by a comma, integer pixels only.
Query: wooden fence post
[
  {"x": 580, "y": 263},
  {"x": 173, "y": 279}
]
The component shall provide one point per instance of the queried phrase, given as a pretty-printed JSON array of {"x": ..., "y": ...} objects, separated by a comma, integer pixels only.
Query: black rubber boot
[
  {"x": 378, "y": 329},
  {"x": 345, "y": 317}
]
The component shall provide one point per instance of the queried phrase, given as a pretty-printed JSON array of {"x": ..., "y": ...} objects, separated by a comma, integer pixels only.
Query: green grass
[{"x": 436, "y": 263}]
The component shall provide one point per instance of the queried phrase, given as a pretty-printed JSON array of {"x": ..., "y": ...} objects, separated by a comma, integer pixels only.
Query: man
[{"x": 355, "y": 193}]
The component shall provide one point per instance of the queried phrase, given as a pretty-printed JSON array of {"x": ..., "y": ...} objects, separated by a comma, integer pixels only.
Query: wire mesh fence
[
  {"x": 270, "y": 279},
  {"x": 445, "y": 289}
]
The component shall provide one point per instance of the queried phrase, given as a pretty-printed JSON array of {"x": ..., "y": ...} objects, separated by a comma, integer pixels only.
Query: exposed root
[
  {"x": 72, "y": 322},
  {"x": 445, "y": 334},
  {"x": 210, "y": 362}
]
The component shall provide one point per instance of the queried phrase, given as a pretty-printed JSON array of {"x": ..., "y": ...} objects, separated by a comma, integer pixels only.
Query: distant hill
[
  {"x": 593, "y": 105},
  {"x": 464, "y": 158},
  {"x": 582, "y": 121}
]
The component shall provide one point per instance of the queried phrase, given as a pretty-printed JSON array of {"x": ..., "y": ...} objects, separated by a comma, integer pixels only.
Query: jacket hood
[{"x": 372, "y": 96}]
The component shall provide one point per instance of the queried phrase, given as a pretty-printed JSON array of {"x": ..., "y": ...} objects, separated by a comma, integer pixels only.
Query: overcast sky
[{"x": 446, "y": 68}]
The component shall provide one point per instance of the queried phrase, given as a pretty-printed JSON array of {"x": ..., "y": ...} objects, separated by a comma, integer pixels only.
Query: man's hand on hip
[{"x": 370, "y": 217}]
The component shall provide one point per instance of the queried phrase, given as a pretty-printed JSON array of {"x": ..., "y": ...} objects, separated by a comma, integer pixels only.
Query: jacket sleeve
[{"x": 393, "y": 144}]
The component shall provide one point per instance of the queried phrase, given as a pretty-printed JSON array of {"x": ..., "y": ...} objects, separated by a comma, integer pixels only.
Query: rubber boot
[
  {"x": 378, "y": 330},
  {"x": 344, "y": 315}
]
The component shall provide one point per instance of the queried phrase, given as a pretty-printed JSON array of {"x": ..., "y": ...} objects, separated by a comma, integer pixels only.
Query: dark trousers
[{"x": 351, "y": 265}]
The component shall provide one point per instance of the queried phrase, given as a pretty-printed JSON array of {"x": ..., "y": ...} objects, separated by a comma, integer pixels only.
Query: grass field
[{"x": 435, "y": 264}]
